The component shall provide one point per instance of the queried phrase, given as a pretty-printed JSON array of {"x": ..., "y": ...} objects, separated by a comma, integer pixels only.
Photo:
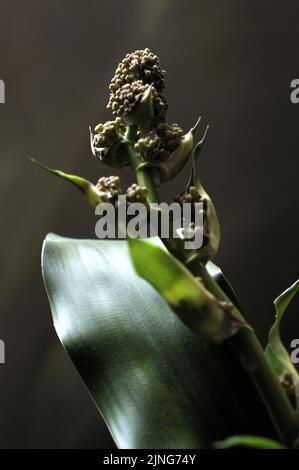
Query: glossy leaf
[
  {"x": 275, "y": 350},
  {"x": 186, "y": 295},
  {"x": 253, "y": 442},
  {"x": 156, "y": 383}
]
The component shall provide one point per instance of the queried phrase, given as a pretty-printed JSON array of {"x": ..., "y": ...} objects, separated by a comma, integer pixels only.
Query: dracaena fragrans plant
[{"x": 155, "y": 329}]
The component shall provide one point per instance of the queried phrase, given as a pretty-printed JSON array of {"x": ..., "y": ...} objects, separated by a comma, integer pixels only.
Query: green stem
[
  {"x": 142, "y": 175},
  {"x": 249, "y": 349},
  {"x": 245, "y": 342}
]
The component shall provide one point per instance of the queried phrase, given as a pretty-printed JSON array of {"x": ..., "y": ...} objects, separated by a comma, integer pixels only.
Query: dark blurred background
[{"x": 232, "y": 62}]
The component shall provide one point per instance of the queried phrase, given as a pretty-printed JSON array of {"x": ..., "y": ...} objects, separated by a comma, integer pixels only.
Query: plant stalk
[
  {"x": 245, "y": 343},
  {"x": 142, "y": 175},
  {"x": 251, "y": 354}
]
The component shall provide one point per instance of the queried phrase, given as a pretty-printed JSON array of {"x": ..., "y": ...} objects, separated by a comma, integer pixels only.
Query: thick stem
[
  {"x": 143, "y": 177},
  {"x": 251, "y": 354},
  {"x": 245, "y": 343}
]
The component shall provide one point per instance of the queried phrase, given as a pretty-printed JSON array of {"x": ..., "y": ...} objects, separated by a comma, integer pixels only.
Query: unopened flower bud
[
  {"x": 160, "y": 106},
  {"x": 189, "y": 195},
  {"x": 171, "y": 135},
  {"x": 138, "y": 104},
  {"x": 108, "y": 134},
  {"x": 136, "y": 193},
  {"x": 139, "y": 65},
  {"x": 107, "y": 143},
  {"x": 157, "y": 146},
  {"x": 150, "y": 147},
  {"x": 109, "y": 184},
  {"x": 124, "y": 99},
  {"x": 170, "y": 167}
]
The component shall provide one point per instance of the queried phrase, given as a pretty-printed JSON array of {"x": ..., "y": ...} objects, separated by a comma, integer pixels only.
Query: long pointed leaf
[
  {"x": 275, "y": 350},
  {"x": 212, "y": 222},
  {"x": 187, "y": 296},
  {"x": 86, "y": 187}
]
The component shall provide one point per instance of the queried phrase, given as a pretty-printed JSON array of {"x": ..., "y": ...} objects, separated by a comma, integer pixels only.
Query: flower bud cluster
[
  {"x": 109, "y": 187},
  {"x": 139, "y": 130},
  {"x": 189, "y": 195},
  {"x": 139, "y": 65},
  {"x": 108, "y": 134},
  {"x": 134, "y": 75},
  {"x": 136, "y": 193},
  {"x": 158, "y": 145},
  {"x": 171, "y": 135},
  {"x": 125, "y": 99}
]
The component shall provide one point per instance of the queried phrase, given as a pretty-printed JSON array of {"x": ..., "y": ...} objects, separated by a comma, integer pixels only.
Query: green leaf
[
  {"x": 86, "y": 187},
  {"x": 156, "y": 383},
  {"x": 185, "y": 294},
  {"x": 211, "y": 224},
  {"x": 254, "y": 442},
  {"x": 216, "y": 273},
  {"x": 275, "y": 351}
]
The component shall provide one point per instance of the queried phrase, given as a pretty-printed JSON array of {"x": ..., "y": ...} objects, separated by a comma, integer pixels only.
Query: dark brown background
[{"x": 230, "y": 61}]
